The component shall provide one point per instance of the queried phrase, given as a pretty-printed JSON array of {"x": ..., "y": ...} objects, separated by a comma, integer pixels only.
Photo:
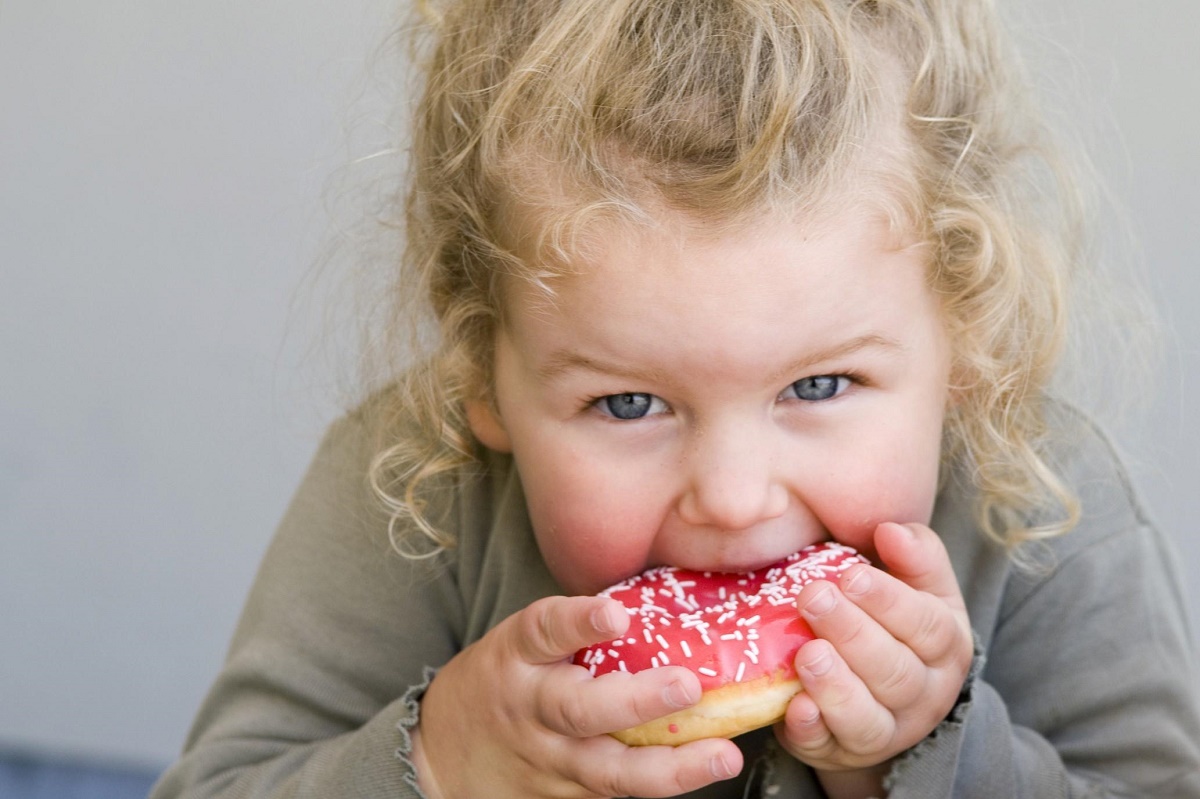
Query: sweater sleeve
[
  {"x": 1088, "y": 690},
  {"x": 338, "y": 638}
]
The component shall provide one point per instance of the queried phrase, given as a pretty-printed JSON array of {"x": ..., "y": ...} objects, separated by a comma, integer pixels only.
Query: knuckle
[
  {"x": 838, "y": 698},
  {"x": 902, "y": 683},
  {"x": 874, "y": 737},
  {"x": 573, "y": 716},
  {"x": 932, "y": 633},
  {"x": 644, "y": 709},
  {"x": 607, "y": 779},
  {"x": 854, "y": 629},
  {"x": 535, "y": 618},
  {"x": 886, "y": 598},
  {"x": 815, "y": 750},
  {"x": 539, "y": 629},
  {"x": 964, "y": 644}
]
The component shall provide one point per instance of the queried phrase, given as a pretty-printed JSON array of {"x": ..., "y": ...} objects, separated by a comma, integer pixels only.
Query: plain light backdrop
[{"x": 164, "y": 176}]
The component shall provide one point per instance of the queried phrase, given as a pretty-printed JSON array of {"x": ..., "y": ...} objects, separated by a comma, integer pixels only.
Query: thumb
[{"x": 555, "y": 627}]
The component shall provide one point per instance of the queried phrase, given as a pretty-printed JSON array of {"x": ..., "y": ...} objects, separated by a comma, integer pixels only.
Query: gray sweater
[{"x": 1084, "y": 682}]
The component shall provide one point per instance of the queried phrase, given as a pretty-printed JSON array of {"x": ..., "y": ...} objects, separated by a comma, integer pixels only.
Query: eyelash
[
  {"x": 852, "y": 378},
  {"x": 593, "y": 403}
]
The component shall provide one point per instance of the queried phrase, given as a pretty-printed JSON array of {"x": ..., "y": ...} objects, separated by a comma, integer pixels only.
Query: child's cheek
[
  {"x": 585, "y": 564},
  {"x": 851, "y": 512},
  {"x": 588, "y": 541}
]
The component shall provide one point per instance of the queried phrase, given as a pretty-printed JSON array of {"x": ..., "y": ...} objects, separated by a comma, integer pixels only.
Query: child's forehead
[
  {"x": 667, "y": 255},
  {"x": 556, "y": 235}
]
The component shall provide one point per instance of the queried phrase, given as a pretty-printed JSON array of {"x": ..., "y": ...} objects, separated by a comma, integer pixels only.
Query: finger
[
  {"x": 803, "y": 732},
  {"x": 934, "y": 629},
  {"x": 573, "y": 703},
  {"x": 917, "y": 557},
  {"x": 890, "y": 668},
  {"x": 610, "y": 768},
  {"x": 851, "y": 713},
  {"x": 557, "y": 627}
]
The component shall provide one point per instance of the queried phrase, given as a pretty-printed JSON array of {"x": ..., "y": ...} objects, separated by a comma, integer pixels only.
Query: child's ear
[{"x": 487, "y": 425}]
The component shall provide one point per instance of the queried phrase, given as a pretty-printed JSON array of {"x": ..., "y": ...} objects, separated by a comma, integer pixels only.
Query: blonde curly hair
[{"x": 721, "y": 109}]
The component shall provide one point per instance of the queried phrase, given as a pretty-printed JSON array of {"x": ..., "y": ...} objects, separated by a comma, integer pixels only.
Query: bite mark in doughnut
[{"x": 739, "y": 633}]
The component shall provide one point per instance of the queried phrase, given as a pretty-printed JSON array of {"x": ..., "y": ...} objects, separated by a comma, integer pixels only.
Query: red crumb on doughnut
[{"x": 739, "y": 633}]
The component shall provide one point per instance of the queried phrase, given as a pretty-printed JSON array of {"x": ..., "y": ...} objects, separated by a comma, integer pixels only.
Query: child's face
[{"x": 717, "y": 403}]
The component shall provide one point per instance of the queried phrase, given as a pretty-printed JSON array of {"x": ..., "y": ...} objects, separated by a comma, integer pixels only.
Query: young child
[{"x": 715, "y": 280}]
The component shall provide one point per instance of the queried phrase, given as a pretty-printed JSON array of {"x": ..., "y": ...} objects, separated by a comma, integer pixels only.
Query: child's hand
[
  {"x": 511, "y": 716},
  {"x": 891, "y": 658}
]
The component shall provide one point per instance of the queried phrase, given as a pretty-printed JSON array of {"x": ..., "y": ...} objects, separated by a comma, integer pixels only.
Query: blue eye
[
  {"x": 627, "y": 406},
  {"x": 818, "y": 387}
]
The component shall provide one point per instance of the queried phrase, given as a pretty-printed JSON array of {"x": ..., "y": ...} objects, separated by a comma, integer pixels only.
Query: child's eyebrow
[
  {"x": 564, "y": 361},
  {"x": 839, "y": 350}
]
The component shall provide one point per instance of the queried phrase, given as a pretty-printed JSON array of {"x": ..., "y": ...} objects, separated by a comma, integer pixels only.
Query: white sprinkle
[
  {"x": 687, "y": 650},
  {"x": 621, "y": 666},
  {"x": 741, "y": 671},
  {"x": 614, "y": 653},
  {"x": 707, "y": 672},
  {"x": 752, "y": 655},
  {"x": 736, "y": 635},
  {"x": 665, "y": 660},
  {"x": 648, "y": 637},
  {"x": 662, "y": 641},
  {"x": 749, "y": 622}
]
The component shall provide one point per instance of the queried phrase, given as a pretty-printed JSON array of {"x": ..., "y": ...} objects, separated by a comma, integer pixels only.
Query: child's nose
[{"x": 732, "y": 483}]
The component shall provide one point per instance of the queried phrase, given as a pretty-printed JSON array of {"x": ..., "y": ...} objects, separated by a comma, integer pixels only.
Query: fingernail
[
  {"x": 821, "y": 603},
  {"x": 819, "y": 665},
  {"x": 857, "y": 582},
  {"x": 602, "y": 620},
  {"x": 720, "y": 768},
  {"x": 677, "y": 695}
]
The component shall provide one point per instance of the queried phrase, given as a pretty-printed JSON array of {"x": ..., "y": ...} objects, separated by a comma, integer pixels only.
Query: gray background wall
[{"x": 162, "y": 167}]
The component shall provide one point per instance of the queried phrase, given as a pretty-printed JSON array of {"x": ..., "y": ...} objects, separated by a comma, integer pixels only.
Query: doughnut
[{"x": 739, "y": 633}]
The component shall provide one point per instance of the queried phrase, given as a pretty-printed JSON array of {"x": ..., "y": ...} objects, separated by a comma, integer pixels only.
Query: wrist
[
  {"x": 426, "y": 782},
  {"x": 864, "y": 783}
]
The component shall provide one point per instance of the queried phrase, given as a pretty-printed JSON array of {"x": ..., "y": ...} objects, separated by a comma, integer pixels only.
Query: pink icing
[{"x": 724, "y": 627}]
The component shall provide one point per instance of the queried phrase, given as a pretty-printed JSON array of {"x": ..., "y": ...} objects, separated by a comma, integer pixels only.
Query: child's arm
[
  {"x": 337, "y": 629},
  {"x": 511, "y": 717},
  {"x": 1089, "y": 687},
  {"x": 320, "y": 690}
]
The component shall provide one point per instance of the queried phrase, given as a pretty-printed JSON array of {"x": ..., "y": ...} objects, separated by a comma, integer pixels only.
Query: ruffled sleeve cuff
[
  {"x": 927, "y": 769},
  {"x": 411, "y": 706}
]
